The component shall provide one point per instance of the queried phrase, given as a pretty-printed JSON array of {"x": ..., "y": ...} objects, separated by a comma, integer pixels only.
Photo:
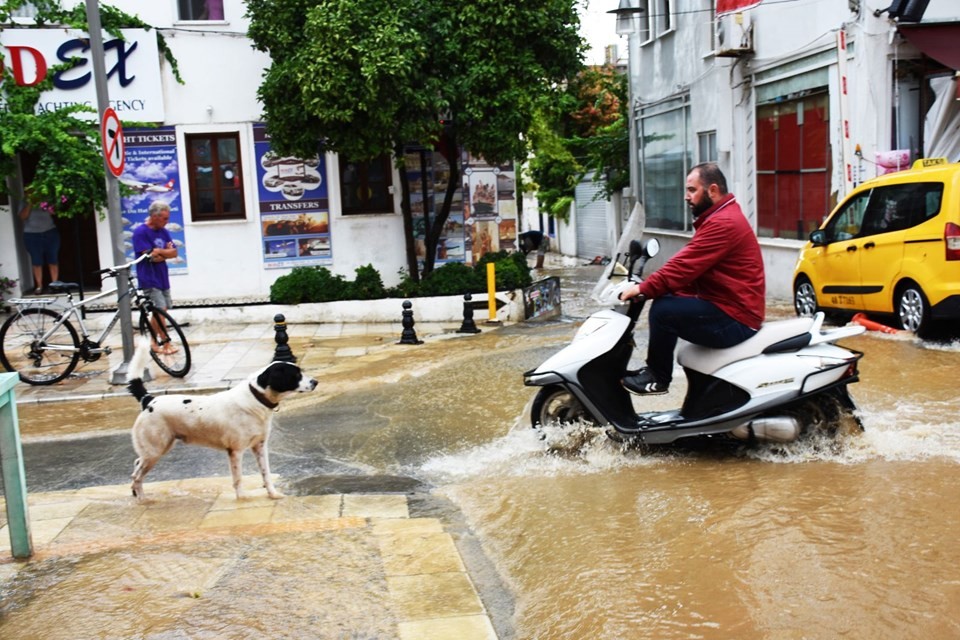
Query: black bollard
[
  {"x": 409, "y": 336},
  {"x": 282, "y": 353},
  {"x": 468, "y": 325}
]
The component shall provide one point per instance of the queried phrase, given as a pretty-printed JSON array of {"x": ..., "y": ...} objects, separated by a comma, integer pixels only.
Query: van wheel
[
  {"x": 913, "y": 310},
  {"x": 804, "y": 297}
]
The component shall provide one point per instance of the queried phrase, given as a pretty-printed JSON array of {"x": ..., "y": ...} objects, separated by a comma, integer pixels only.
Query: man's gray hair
[{"x": 157, "y": 206}]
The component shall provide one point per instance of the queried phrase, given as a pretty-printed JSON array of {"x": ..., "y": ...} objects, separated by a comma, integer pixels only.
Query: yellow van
[{"x": 891, "y": 247}]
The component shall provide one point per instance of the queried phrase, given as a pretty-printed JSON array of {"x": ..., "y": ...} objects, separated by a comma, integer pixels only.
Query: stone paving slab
[{"x": 178, "y": 562}]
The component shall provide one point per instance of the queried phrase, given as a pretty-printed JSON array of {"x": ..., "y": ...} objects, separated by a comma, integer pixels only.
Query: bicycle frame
[{"x": 73, "y": 310}]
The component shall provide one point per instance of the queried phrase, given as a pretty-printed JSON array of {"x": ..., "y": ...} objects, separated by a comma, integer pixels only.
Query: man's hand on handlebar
[{"x": 631, "y": 291}]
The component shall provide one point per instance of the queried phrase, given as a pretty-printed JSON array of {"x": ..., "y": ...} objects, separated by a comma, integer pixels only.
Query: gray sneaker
[{"x": 644, "y": 383}]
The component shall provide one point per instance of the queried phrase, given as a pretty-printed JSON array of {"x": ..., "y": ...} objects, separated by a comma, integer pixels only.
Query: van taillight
[{"x": 951, "y": 239}]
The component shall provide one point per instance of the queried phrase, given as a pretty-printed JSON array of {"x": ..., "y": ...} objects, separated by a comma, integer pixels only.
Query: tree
[
  {"x": 366, "y": 78},
  {"x": 64, "y": 143},
  {"x": 584, "y": 131}
]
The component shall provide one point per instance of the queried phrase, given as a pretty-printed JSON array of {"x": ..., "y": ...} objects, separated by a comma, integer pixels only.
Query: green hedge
[{"x": 317, "y": 284}]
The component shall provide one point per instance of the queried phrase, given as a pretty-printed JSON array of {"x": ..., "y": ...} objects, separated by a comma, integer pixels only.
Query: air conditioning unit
[{"x": 733, "y": 36}]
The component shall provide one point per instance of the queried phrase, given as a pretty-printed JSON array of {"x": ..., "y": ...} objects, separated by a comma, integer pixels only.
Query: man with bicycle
[{"x": 153, "y": 239}]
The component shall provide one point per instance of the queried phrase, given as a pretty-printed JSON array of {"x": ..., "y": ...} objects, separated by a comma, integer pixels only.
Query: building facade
[
  {"x": 796, "y": 101},
  {"x": 241, "y": 215}
]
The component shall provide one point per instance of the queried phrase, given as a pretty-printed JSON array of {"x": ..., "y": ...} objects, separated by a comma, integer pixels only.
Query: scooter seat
[{"x": 707, "y": 360}]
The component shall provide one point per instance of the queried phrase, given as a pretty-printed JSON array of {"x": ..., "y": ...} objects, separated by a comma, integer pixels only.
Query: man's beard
[{"x": 696, "y": 208}]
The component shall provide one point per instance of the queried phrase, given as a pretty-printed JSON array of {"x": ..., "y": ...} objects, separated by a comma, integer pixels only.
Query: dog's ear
[{"x": 280, "y": 377}]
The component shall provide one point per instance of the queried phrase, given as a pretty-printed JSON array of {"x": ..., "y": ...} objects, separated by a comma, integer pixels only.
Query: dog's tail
[{"x": 138, "y": 363}]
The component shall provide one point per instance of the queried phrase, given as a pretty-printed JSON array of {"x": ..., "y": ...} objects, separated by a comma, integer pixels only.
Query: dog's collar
[{"x": 262, "y": 399}]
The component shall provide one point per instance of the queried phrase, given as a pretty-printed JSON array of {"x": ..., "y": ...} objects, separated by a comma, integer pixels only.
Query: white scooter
[{"x": 788, "y": 380}]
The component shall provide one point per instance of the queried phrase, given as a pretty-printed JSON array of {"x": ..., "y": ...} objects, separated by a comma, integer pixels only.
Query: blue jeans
[{"x": 696, "y": 321}]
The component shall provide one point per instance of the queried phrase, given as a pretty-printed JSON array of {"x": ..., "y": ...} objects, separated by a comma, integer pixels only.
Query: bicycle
[{"x": 43, "y": 346}]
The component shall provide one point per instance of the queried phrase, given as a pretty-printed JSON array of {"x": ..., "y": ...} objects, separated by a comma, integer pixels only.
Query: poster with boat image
[
  {"x": 151, "y": 173},
  {"x": 489, "y": 206},
  {"x": 294, "y": 206}
]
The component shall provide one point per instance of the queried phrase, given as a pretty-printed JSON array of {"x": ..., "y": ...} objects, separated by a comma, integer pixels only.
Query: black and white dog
[{"x": 233, "y": 420}]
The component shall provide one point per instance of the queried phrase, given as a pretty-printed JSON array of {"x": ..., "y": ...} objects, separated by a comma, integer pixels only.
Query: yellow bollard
[{"x": 492, "y": 292}]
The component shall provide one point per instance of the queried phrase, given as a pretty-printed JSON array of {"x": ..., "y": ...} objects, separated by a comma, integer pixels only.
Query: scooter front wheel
[{"x": 554, "y": 405}]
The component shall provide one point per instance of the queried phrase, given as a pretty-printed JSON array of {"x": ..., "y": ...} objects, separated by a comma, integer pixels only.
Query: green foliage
[
  {"x": 364, "y": 77},
  {"x": 512, "y": 271},
  {"x": 317, "y": 284},
  {"x": 453, "y": 278},
  {"x": 584, "y": 130},
  {"x": 368, "y": 285},
  {"x": 309, "y": 284},
  {"x": 66, "y": 146}
]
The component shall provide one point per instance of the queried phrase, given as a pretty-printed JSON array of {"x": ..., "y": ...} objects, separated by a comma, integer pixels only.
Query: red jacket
[{"x": 721, "y": 264}]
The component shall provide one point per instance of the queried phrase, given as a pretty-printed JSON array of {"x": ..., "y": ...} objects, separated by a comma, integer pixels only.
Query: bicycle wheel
[
  {"x": 38, "y": 362},
  {"x": 169, "y": 346}
]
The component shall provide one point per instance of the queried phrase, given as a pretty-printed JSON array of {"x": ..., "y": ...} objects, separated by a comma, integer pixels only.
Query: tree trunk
[
  {"x": 412, "y": 267},
  {"x": 450, "y": 150}
]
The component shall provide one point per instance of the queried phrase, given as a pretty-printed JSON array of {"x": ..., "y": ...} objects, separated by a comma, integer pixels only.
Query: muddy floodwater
[
  {"x": 593, "y": 540},
  {"x": 854, "y": 540}
]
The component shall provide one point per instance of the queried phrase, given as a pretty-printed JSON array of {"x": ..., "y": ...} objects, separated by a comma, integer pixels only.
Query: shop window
[
  {"x": 366, "y": 186},
  {"x": 216, "y": 176},
  {"x": 662, "y": 15},
  {"x": 666, "y": 155},
  {"x": 793, "y": 166},
  {"x": 708, "y": 146},
  {"x": 201, "y": 9}
]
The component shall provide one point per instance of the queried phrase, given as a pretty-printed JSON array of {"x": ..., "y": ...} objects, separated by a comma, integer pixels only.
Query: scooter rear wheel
[{"x": 556, "y": 406}]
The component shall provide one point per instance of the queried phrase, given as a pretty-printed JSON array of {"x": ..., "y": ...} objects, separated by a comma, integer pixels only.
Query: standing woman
[{"x": 41, "y": 238}]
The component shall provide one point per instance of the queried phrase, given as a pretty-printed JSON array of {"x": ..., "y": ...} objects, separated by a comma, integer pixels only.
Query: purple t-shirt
[{"x": 151, "y": 275}]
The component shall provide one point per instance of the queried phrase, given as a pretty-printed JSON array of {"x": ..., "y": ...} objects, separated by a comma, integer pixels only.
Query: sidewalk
[
  {"x": 193, "y": 560},
  {"x": 226, "y": 353}
]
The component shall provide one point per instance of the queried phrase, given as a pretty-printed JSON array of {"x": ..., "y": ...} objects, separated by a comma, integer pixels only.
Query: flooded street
[
  {"x": 589, "y": 539},
  {"x": 598, "y": 542}
]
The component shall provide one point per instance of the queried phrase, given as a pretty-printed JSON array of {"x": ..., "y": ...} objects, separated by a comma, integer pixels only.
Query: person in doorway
[
  {"x": 41, "y": 238},
  {"x": 153, "y": 239},
  {"x": 533, "y": 239},
  {"x": 712, "y": 292}
]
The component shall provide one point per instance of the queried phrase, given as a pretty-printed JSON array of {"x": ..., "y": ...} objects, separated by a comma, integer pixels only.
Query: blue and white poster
[
  {"x": 294, "y": 207},
  {"x": 152, "y": 173}
]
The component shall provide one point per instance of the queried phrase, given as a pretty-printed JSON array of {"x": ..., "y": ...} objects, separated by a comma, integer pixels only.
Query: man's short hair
[
  {"x": 709, "y": 174},
  {"x": 157, "y": 206}
]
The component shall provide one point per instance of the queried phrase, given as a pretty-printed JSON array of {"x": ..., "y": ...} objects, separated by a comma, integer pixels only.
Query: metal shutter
[{"x": 592, "y": 236}]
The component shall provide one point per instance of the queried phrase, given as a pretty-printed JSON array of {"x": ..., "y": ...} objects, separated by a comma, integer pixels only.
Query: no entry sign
[{"x": 111, "y": 132}]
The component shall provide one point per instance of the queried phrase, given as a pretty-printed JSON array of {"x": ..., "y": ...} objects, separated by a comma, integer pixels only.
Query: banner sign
[
  {"x": 151, "y": 170},
  {"x": 294, "y": 206},
  {"x": 133, "y": 70},
  {"x": 732, "y": 6}
]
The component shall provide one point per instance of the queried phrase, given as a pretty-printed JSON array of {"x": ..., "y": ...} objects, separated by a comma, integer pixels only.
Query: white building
[
  {"x": 796, "y": 100},
  {"x": 241, "y": 216}
]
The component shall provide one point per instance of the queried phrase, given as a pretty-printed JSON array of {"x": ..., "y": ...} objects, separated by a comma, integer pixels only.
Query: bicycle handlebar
[{"x": 122, "y": 267}]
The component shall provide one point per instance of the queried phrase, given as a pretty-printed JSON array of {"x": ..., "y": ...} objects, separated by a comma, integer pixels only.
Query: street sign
[{"x": 111, "y": 133}]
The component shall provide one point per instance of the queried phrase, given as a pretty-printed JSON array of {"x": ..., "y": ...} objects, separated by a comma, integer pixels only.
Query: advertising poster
[
  {"x": 151, "y": 172},
  {"x": 428, "y": 169},
  {"x": 490, "y": 206},
  {"x": 542, "y": 299},
  {"x": 294, "y": 207}
]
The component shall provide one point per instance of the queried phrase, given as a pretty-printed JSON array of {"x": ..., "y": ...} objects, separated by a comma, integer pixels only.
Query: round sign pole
[{"x": 114, "y": 169}]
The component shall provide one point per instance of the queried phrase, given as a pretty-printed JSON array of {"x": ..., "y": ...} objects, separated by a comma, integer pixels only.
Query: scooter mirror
[
  {"x": 636, "y": 249},
  {"x": 652, "y": 247}
]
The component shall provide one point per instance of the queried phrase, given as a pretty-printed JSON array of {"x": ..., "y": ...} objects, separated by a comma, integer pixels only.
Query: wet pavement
[{"x": 343, "y": 561}]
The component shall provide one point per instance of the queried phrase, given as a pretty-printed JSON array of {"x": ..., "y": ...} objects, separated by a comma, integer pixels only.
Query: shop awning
[{"x": 937, "y": 40}]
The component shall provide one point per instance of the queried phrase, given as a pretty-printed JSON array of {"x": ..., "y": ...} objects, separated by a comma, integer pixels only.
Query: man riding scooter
[{"x": 712, "y": 292}]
